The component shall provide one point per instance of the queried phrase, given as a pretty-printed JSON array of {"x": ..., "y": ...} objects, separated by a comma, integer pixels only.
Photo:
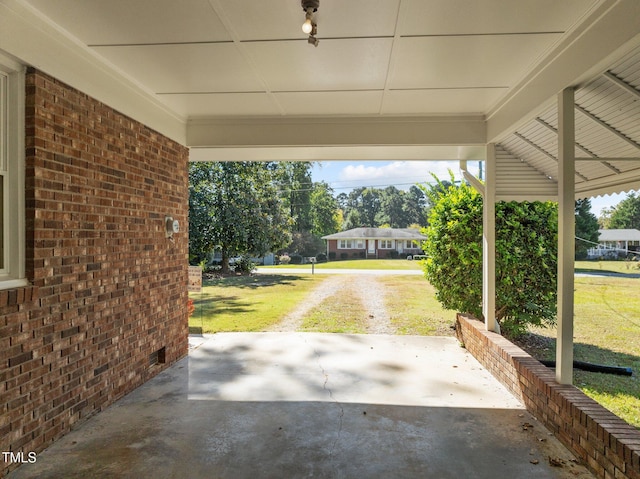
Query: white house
[{"x": 615, "y": 242}]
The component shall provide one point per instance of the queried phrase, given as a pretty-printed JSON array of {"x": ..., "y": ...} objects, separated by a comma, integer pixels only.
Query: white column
[
  {"x": 566, "y": 235},
  {"x": 489, "y": 242}
]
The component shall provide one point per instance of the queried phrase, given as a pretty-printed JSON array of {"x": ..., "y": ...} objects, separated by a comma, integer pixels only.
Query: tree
[
  {"x": 626, "y": 214},
  {"x": 414, "y": 206},
  {"x": 586, "y": 228},
  {"x": 526, "y": 257},
  {"x": 234, "y": 207},
  {"x": 294, "y": 180},
  {"x": 391, "y": 208},
  {"x": 324, "y": 213}
]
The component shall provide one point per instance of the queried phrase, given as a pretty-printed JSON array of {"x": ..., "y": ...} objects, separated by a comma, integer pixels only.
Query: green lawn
[
  {"x": 384, "y": 264},
  {"x": 606, "y": 331},
  {"x": 607, "y": 319},
  {"x": 627, "y": 267},
  {"x": 247, "y": 303}
]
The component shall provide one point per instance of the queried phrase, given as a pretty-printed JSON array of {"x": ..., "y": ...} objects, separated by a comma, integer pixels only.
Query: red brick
[{"x": 97, "y": 189}]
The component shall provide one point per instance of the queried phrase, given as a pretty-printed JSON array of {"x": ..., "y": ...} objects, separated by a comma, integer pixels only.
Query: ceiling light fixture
[{"x": 309, "y": 26}]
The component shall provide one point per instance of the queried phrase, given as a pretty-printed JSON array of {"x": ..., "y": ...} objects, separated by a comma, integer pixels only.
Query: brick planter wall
[
  {"x": 609, "y": 446},
  {"x": 107, "y": 307}
]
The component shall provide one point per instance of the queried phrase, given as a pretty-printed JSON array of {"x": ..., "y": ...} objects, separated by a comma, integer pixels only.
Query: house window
[
  {"x": 351, "y": 244},
  {"x": 412, "y": 244},
  {"x": 385, "y": 244},
  {"x": 12, "y": 237}
]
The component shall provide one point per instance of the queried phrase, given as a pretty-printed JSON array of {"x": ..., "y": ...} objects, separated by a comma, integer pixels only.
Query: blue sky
[{"x": 343, "y": 176}]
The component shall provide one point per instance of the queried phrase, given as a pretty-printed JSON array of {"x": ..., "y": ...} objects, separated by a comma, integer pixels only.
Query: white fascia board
[
  {"x": 34, "y": 40},
  {"x": 336, "y": 131},
  {"x": 337, "y": 153},
  {"x": 605, "y": 34}
]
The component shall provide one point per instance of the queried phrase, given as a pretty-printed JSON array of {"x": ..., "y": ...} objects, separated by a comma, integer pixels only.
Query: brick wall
[
  {"x": 108, "y": 294},
  {"x": 609, "y": 446}
]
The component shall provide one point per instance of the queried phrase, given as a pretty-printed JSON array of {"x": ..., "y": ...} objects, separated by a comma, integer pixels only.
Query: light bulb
[{"x": 307, "y": 26}]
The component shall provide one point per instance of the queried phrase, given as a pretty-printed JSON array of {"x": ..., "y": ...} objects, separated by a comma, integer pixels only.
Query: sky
[{"x": 343, "y": 176}]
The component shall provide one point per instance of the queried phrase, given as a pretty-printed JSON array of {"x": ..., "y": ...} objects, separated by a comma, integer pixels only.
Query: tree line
[{"x": 251, "y": 208}]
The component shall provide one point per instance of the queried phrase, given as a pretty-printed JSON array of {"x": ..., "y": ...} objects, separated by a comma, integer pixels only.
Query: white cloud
[{"x": 401, "y": 174}]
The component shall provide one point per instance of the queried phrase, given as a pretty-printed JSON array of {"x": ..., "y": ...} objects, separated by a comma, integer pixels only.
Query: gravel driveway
[{"x": 365, "y": 287}]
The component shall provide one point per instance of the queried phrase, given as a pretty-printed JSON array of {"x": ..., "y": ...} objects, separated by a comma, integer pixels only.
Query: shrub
[
  {"x": 362, "y": 254},
  {"x": 394, "y": 254},
  {"x": 284, "y": 259},
  {"x": 296, "y": 259},
  {"x": 526, "y": 257},
  {"x": 321, "y": 258},
  {"x": 245, "y": 265},
  {"x": 344, "y": 255},
  {"x": 332, "y": 256}
]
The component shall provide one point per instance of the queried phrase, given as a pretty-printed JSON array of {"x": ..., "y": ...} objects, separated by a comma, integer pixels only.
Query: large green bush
[{"x": 526, "y": 257}]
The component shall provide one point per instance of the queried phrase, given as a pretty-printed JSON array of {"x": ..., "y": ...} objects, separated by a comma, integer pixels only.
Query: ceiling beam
[
  {"x": 336, "y": 131},
  {"x": 622, "y": 84},
  {"x": 579, "y": 146},
  {"x": 605, "y": 125},
  {"x": 544, "y": 152}
]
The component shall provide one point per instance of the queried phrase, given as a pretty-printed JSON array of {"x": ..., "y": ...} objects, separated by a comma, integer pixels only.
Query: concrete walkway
[{"x": 297, "y": 405}]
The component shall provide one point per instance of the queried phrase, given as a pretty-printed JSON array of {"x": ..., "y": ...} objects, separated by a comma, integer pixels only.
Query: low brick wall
[{"x": 609, "y": 446}]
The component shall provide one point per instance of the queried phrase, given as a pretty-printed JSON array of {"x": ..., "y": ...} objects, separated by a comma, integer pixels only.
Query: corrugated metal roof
[{"x": 607, "y": 125}]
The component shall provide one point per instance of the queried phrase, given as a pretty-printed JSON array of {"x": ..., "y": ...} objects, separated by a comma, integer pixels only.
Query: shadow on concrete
[{"x": 280, "y": 405}]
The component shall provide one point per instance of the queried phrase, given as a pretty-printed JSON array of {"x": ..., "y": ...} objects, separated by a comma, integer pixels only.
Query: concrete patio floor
[{"x": 296, "y": 405}]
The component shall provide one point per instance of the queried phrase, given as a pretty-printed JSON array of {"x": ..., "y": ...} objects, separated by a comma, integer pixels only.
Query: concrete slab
[{"x": 293, "y": 405}]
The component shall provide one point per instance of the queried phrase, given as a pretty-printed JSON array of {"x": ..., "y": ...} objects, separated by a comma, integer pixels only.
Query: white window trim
[
  {"x": 382, "y": 242},
  {"x": 351, "y": 244},
  {"x": 13, "y": 131}
]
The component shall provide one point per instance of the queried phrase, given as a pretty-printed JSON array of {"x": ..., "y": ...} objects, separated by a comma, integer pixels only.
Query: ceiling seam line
[
  {"x": 159, "y": 44},
  {"x": 220, "y": 12},
  {"x": 391, "y": 59}
]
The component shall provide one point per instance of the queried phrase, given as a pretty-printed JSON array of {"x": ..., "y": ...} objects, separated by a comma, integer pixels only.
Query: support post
[
  {"x": 489, "y": 242},
  {"x": 566, "y": 235}
]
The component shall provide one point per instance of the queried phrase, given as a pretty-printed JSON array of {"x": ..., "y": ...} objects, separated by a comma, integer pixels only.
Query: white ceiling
[
  {"x": 403, "y": 79},
  {"x": 205, "y": 58}
]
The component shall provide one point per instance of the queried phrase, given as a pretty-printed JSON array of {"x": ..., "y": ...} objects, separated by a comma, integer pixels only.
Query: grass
[
  {"x": 340, "y": 313},
  {"x": 413, "y": 308},
  {"x": 606, "y": 331},
  {"x": 383, "y": 264},
  {"x": 607, "y": 320},
  {"x": 626, "y": 267},
  {"x": 247, "y": 303}
]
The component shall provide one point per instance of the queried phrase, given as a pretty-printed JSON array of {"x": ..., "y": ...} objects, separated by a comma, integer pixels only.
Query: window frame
[
  {"x": 12, "y": 165},
  {"x": 350, "y": 244},
  {"x": 383, "y": 242}
]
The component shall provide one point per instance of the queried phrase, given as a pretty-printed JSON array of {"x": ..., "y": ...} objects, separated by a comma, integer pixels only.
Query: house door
[
  {"x": 400, "y": 246},
  {"x": 372, "y": 246}
]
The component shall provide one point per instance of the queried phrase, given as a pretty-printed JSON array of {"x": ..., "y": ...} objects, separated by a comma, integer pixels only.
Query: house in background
[
  {"x": 374, "y": 243},
  {"x": 615, "y": 243}
]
